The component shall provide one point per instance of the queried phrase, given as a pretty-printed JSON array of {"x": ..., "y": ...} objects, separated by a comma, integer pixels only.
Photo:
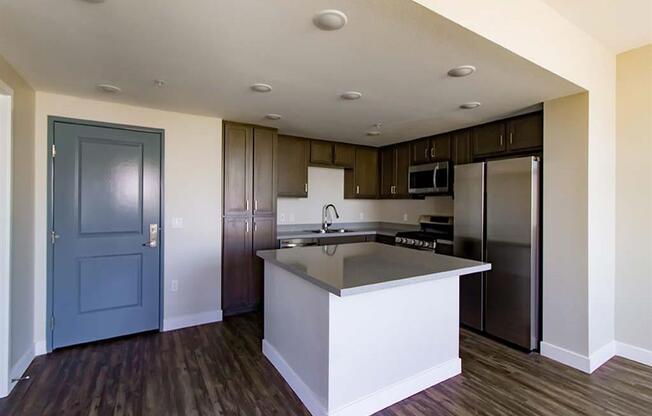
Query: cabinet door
[
  {"x": 440, "y": 148},
  {"x": 264, "y": 182},
  {"x": 264, "y": 238},
  {"x": 238, "y": 145},
  {"x": 462, "y": 147},
  {"x": 236, "y": 264},
  {"x": 321, "y": 152},
  {"x": 344, "y": 155},
  {"x": 489, "y": 139},
  {"x": 366, "y": 172},
  {"x": 402, "y": 168},
  {"x": 293, "y": 154},
  {"x": 420, "y": 151},
  {"x": 525, "y": 132},
  {"x": 387, "y": 156},
  {"x": 329, "y": 241}
]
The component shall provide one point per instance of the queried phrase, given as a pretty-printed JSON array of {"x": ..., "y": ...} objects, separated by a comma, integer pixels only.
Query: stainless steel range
[{"x": 436, "y": 234}]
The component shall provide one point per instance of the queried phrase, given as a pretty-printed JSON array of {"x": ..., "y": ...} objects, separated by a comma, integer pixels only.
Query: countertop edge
[{"x": 376, "y": 286}]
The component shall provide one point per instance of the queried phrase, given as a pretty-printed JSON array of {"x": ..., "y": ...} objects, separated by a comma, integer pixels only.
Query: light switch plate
[
  {"x": 281, "y": 217},
  {"x": 177, "y": 222},
  {"x": 405, "y": 217}
]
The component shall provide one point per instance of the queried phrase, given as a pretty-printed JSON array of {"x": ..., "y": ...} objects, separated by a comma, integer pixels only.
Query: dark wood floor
[{"x": 219, "y": 369}]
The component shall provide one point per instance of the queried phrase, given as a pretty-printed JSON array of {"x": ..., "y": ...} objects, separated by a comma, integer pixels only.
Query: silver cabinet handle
[
  {"x": 432, "y": 152},
  {"x": 246, "y": 226},
  {"x": 511, "y": 137},
  {"x": 153, "y": 236},
  {"x": 247, "y": 205},
  {"x": 305, "y": 187},
  {"x": 255, "y": 226},
  {"x": 425, "y": 153},
  {"x": 357, "y": 189},
  {"x": 255, "y": 205},
  {"x": 501, "y": 139}
]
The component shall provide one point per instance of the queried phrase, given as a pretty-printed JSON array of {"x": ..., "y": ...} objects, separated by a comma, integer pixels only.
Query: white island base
[{"x": 357, "y": 354}]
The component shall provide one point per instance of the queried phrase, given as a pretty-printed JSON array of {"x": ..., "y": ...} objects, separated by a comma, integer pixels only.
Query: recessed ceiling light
[
  {"x": 273, "y": 116},
  {"x": 159, "y": 83},
  {"x": 258, "y": 87},
  {"x": 375, "y": 131},
  {"x": 471, "y": 105},
  {"x": 461, "y": 71},
  {"x": 351, "y": 95},
  {"x": 108, "y": 88},
  {"x": 330, "y": 19}
]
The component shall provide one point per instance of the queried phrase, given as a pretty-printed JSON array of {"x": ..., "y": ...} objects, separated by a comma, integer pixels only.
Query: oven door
[{"x": 422, "y": 179}]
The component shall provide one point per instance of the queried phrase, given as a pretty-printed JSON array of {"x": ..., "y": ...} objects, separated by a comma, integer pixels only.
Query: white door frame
[{"x": 6, "y": 108}]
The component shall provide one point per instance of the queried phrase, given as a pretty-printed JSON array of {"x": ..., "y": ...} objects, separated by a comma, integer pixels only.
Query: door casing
[{"x": 50, "y": 209}]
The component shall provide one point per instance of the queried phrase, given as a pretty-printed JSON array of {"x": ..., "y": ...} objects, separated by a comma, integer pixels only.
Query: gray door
[
  {"x": 106, "y": 198},
  {"x": 512, "y": 287},
  {"x": 469, "y": 238}
]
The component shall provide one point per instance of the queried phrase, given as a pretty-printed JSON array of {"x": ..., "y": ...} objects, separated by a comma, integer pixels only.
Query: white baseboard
[
  {"x": 40, "y": 348},
  {"x": 634, "y": 353},
  {"x": 185, "y": 321},
  {"x": 368, "y": 404},
  {"x": 587, "y": 364},
  {"x": 309, "y": 399}
]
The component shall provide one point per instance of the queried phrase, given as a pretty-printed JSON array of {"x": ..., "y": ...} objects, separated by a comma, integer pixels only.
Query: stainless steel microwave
[{"x": 430, "y": 179}]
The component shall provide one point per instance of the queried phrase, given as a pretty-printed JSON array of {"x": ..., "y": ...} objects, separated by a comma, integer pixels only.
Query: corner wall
[
  {"x": 192, "y": 191},
  {"x": 634, "y": 205},
  {"x": 21, "y": 345}
]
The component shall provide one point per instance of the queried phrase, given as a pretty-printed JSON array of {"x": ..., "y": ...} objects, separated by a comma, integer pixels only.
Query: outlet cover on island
[
  {"x": 174, "y": 286},
  {"x": 405, "y": 217},
  {"x": 177, "y": 222}
]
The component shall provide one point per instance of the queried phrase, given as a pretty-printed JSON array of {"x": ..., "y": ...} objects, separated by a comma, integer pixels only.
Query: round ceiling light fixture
[
  {"x": 470, "y": 105},
  {"x": 461, "y": 71},
  {"x": 375, "y": 131},
  {"x": 260, "y": 87},
  {"x": 351, "y": 95},
  {"x": 273, "y": 116},
  {"x": 159, "y": 83},
  {"x": 330, "y": 19},
  {"x": 109, "y": 89}
]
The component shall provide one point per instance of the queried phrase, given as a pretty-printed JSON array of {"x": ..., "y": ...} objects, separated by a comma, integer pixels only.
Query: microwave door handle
[{"x": 435, "y": 185}]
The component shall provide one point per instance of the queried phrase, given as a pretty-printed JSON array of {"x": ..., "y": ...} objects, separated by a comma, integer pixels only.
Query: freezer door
[
  {"x": 512, "y": 284},
  {"x": 469, "y": 238}
]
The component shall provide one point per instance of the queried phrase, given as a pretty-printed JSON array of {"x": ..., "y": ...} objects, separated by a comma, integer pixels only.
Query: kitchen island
[{"x": 355, "y": 328}]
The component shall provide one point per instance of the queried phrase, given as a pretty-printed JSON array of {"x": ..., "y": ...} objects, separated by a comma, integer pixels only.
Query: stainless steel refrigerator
[{"x": 497, "y": 220}]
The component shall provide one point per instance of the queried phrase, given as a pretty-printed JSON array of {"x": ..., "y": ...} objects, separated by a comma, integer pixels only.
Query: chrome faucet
[{"x": 325, "y": 223}]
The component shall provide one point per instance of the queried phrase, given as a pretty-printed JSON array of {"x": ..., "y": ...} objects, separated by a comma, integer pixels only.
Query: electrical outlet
[
  {"x": 177, "y": 222},
  {"x": 405, "y": 217},
  {"x": 174, "y": 286},
  {"x": 281, "y": 217}
]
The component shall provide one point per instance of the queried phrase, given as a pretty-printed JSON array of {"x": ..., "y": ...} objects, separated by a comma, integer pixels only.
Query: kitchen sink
[{"x": 330, "y": 231}]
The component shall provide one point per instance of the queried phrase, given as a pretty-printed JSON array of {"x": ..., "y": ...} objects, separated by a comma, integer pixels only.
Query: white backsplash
[{"x": 326, "y": 186}]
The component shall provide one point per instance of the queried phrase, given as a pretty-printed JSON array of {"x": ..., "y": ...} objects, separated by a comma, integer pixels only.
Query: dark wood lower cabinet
[{"x": 242, "y": 270}]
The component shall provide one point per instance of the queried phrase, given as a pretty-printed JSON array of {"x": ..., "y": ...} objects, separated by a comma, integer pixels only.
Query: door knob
[{"x": 153, "y": 236}]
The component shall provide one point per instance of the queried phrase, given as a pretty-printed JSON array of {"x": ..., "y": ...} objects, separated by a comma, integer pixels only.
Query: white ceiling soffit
[
  {"x": 210, "y": 52},
  {"x": 620, "y": 25}
]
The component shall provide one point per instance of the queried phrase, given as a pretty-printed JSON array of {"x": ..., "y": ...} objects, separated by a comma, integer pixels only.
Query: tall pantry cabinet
[{"x": 249, "y": 212}]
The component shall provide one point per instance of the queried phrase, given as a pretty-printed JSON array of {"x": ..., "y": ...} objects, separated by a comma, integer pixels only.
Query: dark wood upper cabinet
[
  {"x": 236, "y": 265},
  {"x": 344, "y": 155},
  {"x": 293, "y": 156},
  {"x": 525, "y": 132},
  {"x": 489, "y": 139},
  {"x": 264, "y": 183},
  {"x": 366, "y": 172},
  {"x": 420, "y": 151},
  {"x": 387, "y": 177},
  {"x": 321, "y": 152},
  {"x": 238, "y": 144},
  {"x": 462, "y": 152},
  {"x": 402, "y": 170},
  {"x": 264, "y": 238},
  {"x": 440, "y": 148}
]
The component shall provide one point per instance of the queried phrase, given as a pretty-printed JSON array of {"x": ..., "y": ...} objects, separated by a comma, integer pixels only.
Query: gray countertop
[
  {"x": 362, "y": 228},
  {"x": 348, "y": 269}
]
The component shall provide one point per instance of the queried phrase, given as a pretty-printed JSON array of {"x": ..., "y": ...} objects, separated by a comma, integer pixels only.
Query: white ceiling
[
  {"x": 394, "y": 51},
  {"x": 620, "y": 25}
]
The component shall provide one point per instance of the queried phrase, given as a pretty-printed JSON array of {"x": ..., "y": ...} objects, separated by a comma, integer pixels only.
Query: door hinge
[
  {"x": 52, "y": 323},
  {"x": 53, "y": 236},
  {"x": 54, "y": 150}
]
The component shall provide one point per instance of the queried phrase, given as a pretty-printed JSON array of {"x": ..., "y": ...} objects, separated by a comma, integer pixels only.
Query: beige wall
[
  {"x": 634, "y": 199},
  {"x": 192, "y": 169},
  {"x": 567, "y": 51},
  {"x": 326, "y": 186},
  {"x": 22, "y": 258}
]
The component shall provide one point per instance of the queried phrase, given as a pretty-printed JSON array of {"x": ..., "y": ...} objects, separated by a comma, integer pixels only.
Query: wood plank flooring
[{"x": 218, "y": 369}]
